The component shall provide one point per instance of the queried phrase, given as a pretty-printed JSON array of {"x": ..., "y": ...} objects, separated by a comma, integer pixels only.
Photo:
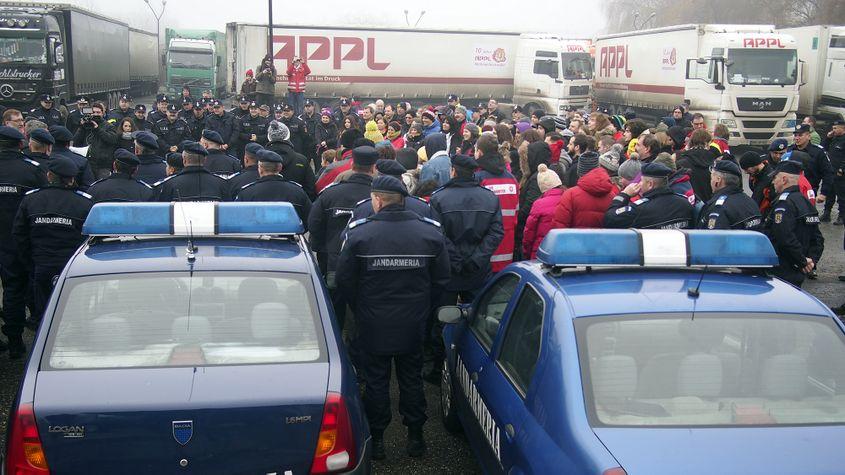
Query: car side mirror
[{"x": 450, "y": 314}]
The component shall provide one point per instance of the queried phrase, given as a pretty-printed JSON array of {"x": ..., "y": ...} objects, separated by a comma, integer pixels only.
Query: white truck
[
  {"x": 821, "y": 49},
  {"x": 537, "y": 71},
  {"x": 743, "y": 76}
]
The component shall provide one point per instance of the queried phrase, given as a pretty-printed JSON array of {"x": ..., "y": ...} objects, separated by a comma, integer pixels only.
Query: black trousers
[
  {"x": 43, "y": 281},
  {"x": 838, "y": 195},
  {"x": 412, "y": 405},
  {"x": 15, "y": 278},
  {"x": 263, "y": 99}
]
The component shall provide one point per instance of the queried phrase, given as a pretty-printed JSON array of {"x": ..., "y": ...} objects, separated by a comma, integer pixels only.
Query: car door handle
[{"x": 509, "y": 432}]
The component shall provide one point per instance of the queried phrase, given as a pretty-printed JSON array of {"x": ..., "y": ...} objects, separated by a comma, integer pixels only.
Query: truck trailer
[
  {"x": 143, "y": 62},
  {"x": 821, "y": 49},
  {"x": 533, "y": 70},
  {"x": 196, "y": 59},
  {"x": 743, "y": 76}
]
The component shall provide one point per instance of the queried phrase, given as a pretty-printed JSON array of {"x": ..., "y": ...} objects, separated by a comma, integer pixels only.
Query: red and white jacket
[
  {"x": 296, "y": 77},
  {"x": 494, "y": 176}
]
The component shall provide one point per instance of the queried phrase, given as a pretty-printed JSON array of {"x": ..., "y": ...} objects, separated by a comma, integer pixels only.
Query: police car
[
  {"x": 646, "y": 352},
  {"x": 189, "y": 338}
]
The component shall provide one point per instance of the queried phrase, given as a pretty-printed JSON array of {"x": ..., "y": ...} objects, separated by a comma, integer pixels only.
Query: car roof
[
  {"x": 637, "y": 290},
  {"x": 169, "y": 254}
]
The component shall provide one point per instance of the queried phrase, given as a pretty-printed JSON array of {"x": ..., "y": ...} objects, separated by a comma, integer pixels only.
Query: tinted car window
[
  {"x": 175, "y": 319},
  {"x": 491, "y": 307},
  {"x": 521, "y": 344}
]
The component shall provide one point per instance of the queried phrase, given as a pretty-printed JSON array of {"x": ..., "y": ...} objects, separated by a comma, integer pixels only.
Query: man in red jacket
[
  {"x": 297, "y": 71},
  {"x": 584, "y": 205},
  {"x": 493, "y": 175}
]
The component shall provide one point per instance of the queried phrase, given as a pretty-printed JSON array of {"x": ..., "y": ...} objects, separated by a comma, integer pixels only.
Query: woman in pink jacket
[{"x": 539, "y": 221}]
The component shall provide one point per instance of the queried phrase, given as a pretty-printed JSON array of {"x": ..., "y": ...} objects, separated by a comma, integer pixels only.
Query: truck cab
[
  {"x": 832, "y": 102},
  {"x": 192, "y": 63},
  {"x": 552, "y": 73},
  {"x": 746, "y": 80}
]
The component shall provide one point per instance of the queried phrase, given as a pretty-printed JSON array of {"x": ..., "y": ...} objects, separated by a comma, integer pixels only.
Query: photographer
[
  {"x": 297, "y": 72},
  {"x": 266, "y": 78},
  {"x": 100, "y": 136}
]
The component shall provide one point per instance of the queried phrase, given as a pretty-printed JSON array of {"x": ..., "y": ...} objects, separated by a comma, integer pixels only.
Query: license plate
[{"x": 758, "y": 142}]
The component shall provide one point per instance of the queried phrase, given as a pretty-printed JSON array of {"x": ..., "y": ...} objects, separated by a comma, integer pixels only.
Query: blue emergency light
[
  {"x": 192, "y": 219},
  {"x": 655, "y": 248}
]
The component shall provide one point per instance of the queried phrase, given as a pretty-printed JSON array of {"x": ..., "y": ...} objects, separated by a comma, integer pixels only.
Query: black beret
[
  {"x": 727, "y": 166},
  {"x": 174, "y": 159},
  {"x": 791, "y": 167},
  {"x": 389, "y": 184},
  {"x": 802, "y": 128},
  {"x": 309, "y": 102},
  {"x": 344, "y": 102},
  {"x": 269, "y": 156},
  {"x": 60, "y": 134},
  {"x": 364, "y": 155},
  {"x": 390, "y": 167},
  {"x": 42, "y": 136},
  {"x": 451, "y": 97},
  {"x": 750, "y": 159},
  {"x": 253, "y": 105},
  {"x": 10, "y": 133},
  {"x": 46, "y": 98},
  {"x": 838, "y": 122},
  {"x": 656, "y": 170},
  {"x": 161, "y": 98},
  {"x": 464, "y": 161},
  {"x": 187, "y": 100},
  {"x": 277, "y": 108},
  {"x": 126, "y": 157},
  {"x": 216, "y": 103},
  {"x": 198, "y": 104},
  {"x": 172, "y": 108},
  {"x": 287, "y": 107},
  {"x": 184, "y": 144},
  {"x": 196, "y": 148},
  {"x": 243, "y": 99},
  {"x": 125, "y": 97},
  {"x": 212, "y": 136},
  {"x": 64, "y": 167},
  {"x": 146, "y": 139},
  {"x": 140, "y": 108},
  {"x": 253, "y": 148}
]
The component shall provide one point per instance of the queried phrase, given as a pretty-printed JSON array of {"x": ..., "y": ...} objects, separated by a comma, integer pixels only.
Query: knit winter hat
[
  {"x": 462, "y": 110},
  {"x": 547, "y": 179},
  {"x": 277, "y": 132},
  {"x": 474, "y": 131},
  {"x": 630, "y": 169},
  {"x": 586, "y": 162}
]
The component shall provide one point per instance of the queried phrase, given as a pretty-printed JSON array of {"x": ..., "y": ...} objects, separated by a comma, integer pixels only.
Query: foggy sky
[{"x": 569, "y": 18}]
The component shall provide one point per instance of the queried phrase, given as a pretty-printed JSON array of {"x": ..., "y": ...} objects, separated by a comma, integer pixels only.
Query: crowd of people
[{"x": 459, "y": 192}]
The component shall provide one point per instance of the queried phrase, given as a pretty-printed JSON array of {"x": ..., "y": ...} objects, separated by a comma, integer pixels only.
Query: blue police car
[
  {"x": 646, "y": 352},
  {"x": 189, "y": 338}
]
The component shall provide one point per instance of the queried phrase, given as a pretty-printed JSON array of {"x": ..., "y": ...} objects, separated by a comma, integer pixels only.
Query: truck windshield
[
  {"x": 576, "y": 65},
  {"x": 762, "y": 66},
  {"x": 190, "y": 60},
  {"x": 23, "y": 50}
]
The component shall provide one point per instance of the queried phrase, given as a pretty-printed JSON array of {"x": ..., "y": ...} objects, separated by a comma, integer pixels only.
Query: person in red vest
[
  {"x": 493, "y": 175},
  {"x": 297, "y": 71}
]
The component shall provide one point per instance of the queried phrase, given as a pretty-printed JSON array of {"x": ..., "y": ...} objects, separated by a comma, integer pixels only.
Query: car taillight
[
  {"x": 335, "y": 446},
  {"x": 615, "y": 471},
  {"x": 25, "y": 455}
]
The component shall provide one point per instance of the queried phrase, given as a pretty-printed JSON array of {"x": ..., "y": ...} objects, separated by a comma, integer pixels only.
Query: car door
[{"x": 474, "y": 349}]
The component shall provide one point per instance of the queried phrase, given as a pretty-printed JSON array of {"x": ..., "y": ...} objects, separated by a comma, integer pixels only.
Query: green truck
[{"x": 196, "y": 59}]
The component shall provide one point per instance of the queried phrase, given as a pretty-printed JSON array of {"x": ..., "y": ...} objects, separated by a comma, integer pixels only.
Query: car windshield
[
  {"x": 190, "y": 60},
  {"x": 712, "y": 370},
  {"x": 762, "y": 66},
  {"x": 175, "y": 319},
  {"x": 23, "y": 50},
  {"x": 577, "y": 66}
]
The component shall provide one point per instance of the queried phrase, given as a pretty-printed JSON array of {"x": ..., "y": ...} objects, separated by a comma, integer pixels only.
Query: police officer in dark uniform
[
  {"x": 251, "y": 128},
  {"x": 221, "y": 122},
  {"x": 218, "y": 161},
  {"x": 330, "y": 214},
  {"x": 151, "y": 166},
  {"x": 48, "y": 229},
  {"x": 311, "y": 117},
  {"x": 272, "y": 186},
  {"x": 123, "y": 110},
  {"x": 730, "y": 207},
  {"x": 45, "y": 112},
  {"x": 196, "y": 121},
  {"x": 390, "y": 269},
  {"x": 836, "y": 153},
  {"x": 160, "y": 111},
  {"x": 760, "y": 176},
  {"x": 174, "y": 164},
  {"x": 658, "y": 207},
  {"x": 18, "y": 175},
  {"x": 250, "y": 171},
  {"x": 793, "y": 226},
  {"x": 63, "y": 138},
  {"x": 40, "y": 146},
  {"x": 818, "y": 171},
  {"x": 364, "y": 208},
  {"x": 194, "y": 182},
  {"x": 187, "y": 109},
  {"x": 121, "y": 184},
  {"x": 298, "y": 131},
  {"x": 171, "y": 131},
  {"x": 139, "y": 119},
  {"x": 242, "y": 110},
  {"x": 74, "y": 117}
]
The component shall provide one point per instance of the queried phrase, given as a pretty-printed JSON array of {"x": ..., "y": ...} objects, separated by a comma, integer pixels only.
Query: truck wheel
[{"x": 448, "y": 411}]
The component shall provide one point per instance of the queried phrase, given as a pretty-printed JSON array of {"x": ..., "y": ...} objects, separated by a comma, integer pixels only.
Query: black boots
[
  {"x": 16, "y": 347},
  {"x": 378, "y": 448},
  {"x": 416, "y": 442}
]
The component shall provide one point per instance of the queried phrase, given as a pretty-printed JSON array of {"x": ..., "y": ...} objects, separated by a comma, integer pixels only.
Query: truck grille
[
  {"x": 193, "y": 82},
  {"x": 759, "y": 124},
  {"x": 758, "y": 135},
  {"x": 579, "y": 90},
  {"x": 831, "y": 101},
  {"x": 760, "y": 104}
]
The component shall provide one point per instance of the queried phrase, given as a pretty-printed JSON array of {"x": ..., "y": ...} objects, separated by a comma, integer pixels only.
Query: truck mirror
[
  {"x": 702, "y": 60},
  {"x": 802, "y": 71}
]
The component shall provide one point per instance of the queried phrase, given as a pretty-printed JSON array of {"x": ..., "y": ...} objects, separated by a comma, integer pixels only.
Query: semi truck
[
  {"x": 821, "y": 49},
  {"x": 143, "y": 62},
  {"x": 743, "y": 76},
  {"x": 533, "y": 70},
  {"x": 60, "y": 50},
  {"x": 196, "y": 59}
]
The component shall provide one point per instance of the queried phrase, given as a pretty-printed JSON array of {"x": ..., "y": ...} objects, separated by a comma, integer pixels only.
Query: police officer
[
  {"x": 760, "y": 176},
  {"x": 658, "y": 207},
  {"x": 172, "y": 130},
  {"x": 298, "y": 131},
  {"x": 310, "y": 117},
  {"x": 242, "y": 110},
  {"x": 194, "y": 182},
  {"x": 296, "y": 165},
  {"x": 174, "y": 163},
  {"x": 278, "y": 114},
  {"x": 160, "y": 111},
  {"x": 364, "y": 208},
  {"x": 730, "y": 207},
  {"x": 251, "y": 128},
  {"x": 836, "y": 153},
  {"x": 793, "y": 226},
  {"x": 221, "y": 122},
  {"x": 818, "y": 171},
  {"x": 45, "y": 112},
  {"x": 187, "y": 109},
  {"x": 123, "y": 110},
  {"x": 151, "y": 166},
  {"x": 18, "y": 175},
  {"x": 63, "y": 138},
  {"x": 40, "y": 146},
  {"x": 74, "y": 117},
  {"x": 48, "y": 229},
  {"x": 272, "y": 186},
  {"x": 196, "y": 121},
  {"x": 121, "y": 184},
  {"x": 343, "y": 111},
  {"x": 218, "y": 161},
  {"x": 139, "y": 119},
  {"x": 330, "y": 214},
  {"x": 250, "y": 171},
  {"x": 390, "y": 268}
]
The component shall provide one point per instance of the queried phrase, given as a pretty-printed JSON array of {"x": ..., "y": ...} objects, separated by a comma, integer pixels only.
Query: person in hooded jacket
[
  {"x": 296, "y": 166},
  {"x": 493, "y": 175},
  {"x": 698, "y": 159},
  {"x": 541, "y": 219},
  {"x": 438, "y": 165},
  {"x": 584, "y": 205},
  {"x": 538, "y": 153}
]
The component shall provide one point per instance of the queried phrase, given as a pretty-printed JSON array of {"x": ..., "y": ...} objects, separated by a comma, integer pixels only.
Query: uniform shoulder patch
[
  {"x": 363, "y": 201},
  {"x": 295, "y": 183},
  {"x": 145, "y": 184},
  {"x": 623, "y": 209},
  {"x": 417, "y": 198},
  {"x": 324, "y": 189},
  {"x": 431, "y": 221},
  {"x": 721, "y": 200},
  {"x": 83, "y": 194},
  {"x": 97, "y": 181},
  {"x": 31, "y": 162},
  {"x": 163, "y": 180},
  {"x": 783, "y": 196},
  {"x": 248, "y": 185},
  {"x": 641, "y": 201},
  {"x": 358, "y": 222},
  {"x": 33, "y": 191},
  {"x": 234, "y": 175}
]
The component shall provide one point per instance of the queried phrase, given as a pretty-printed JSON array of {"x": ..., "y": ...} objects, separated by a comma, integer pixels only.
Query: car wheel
[{"x": 448, "y": 411}]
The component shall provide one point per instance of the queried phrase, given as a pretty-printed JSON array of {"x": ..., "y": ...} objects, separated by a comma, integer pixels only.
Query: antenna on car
[
  {"x": 191, "y": 250},
  {"x": 695, "y": 292}
]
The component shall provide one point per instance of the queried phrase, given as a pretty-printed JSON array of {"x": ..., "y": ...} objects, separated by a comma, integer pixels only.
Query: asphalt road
[{"x": 449, "y": 453}]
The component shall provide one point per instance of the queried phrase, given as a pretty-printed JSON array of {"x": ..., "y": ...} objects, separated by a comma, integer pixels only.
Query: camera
[{"x": 88, "y": 116}]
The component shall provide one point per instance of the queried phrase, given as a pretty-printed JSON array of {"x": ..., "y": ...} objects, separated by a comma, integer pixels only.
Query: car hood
[{"x": 746, "y": 451}]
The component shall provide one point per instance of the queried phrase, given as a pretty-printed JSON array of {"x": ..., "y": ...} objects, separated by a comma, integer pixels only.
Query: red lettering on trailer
[
  {"x": 338, "y": 49},
  {"x": 762, "y": 43},
  {"x": 321, "y": 53},
  {"x": 613, "y": 60}
]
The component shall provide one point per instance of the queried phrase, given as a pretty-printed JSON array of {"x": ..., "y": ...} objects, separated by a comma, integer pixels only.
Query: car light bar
[
  {"x": 655, "y": 248},
  {"x": 192, "y": 218}
]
